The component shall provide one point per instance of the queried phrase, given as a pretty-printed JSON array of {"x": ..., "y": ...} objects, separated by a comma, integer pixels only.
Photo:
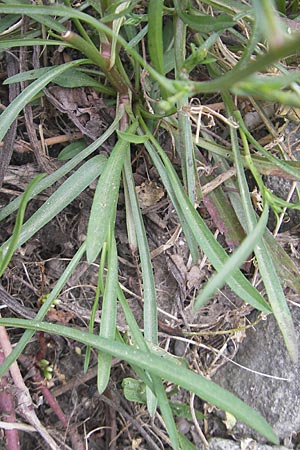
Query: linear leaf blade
[
  {"x": 15, "y": 107},
  {"x": 105, "y": 199},
  {"x": 234, "y": 262},
  {"x": 62, "y": 197},
  {"x": 204, "y": 388},
  {"x": 109, "y": 314}
]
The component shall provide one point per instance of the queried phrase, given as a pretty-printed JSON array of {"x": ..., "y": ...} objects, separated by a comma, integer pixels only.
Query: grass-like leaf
[
  {"x": 206, "y": 23},
  {"x": 277, "y": 299},
  {"x": 109, "y": 312},
  {"x": 13, "y": 43},
  {"x": 72, "y": 150},
  {"x": 221, "y": 84},
  {"x": 121, "y": 7},
  {"x": 191, "y": 241},
  {"x": 70, "y": 78},
  {"x": 157, "y": 384},
  {"x": 271, "y": 281},
  {"x": 94, "y": 309},
  {"x": 150, "y": 307},
  {"x": 203, "y": 236},
  {"x": 163, "y": 368},
  {"x": 285, "y": 166},
  {"x": 155, "y": 34},
  {"x": 132, "y": 138},
  {"x": 234, "y": 261},
  {"x": 66, "y": 168},
  {"x": 105, "y": 199},
  {"x": 23, "y": 341},
  {"x": 7, "y": 21},
  {"x": 15, "y": 107},
  {"x": 5, "y": 259},
  {"x": 62, "y": 197}
]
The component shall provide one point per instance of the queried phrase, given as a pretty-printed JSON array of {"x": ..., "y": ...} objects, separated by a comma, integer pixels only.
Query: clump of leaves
[{"x": 149, "y": 91}]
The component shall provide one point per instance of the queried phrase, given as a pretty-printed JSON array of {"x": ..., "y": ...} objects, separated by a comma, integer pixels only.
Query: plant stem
[{"x": 94, "y": 55}]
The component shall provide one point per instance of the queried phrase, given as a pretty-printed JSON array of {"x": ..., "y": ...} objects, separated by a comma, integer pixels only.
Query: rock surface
[
  {"x": 277, "y": 399},
  {"x": 226, "y": 444},
  {"x": 281, "y": 186}
]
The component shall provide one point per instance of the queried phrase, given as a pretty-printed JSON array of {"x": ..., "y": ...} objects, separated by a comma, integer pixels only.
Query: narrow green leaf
[
  {"x": 29, "y": 75},
  {"x": 277, "y": 299},
  {"x": 158, "y": 387},
  {"x": 202, "y": 234},
  {"x": 166, "y": 410},
  {"x": 234, "y": 262},
  {"x": 121, "y": 9},
  {"x": 269, "y": 22},
  {"x": 109, "y": 313},
  {"x": 150, "y": 307},
  {"x": 185, "y": 444},
  {"x": 185, "y": 148},
  {"x": 18, "y": 225},
  {"x": 23, "y": 341},
  {"x": 155, "y": 34},
  {"x": 15, "y": 107},
  {"x": 7, "y": 21},
  {"x": 163, "y": 173},
  {"x": 132, "y": 138},
  {"x": 105, "y": 200},
  {"x": 66, "y": 168},
  {"x": 204, "y": 388},
  {"x": 49, "y": 22},
  {"x": 266, "y": 267},
  {"x": 99, "y": 290},
  {"x": 72, "y": 150},
  {"x": 134, "y": 390},
  {"x": 286, "y": 269},
  {"x": 206, "y": 23},
  {"x": 215, "y": 253},
  {"x": 71, "y": 78},
  {"x": 28, "y": 42},
  {"x": 62, "y": 197}
]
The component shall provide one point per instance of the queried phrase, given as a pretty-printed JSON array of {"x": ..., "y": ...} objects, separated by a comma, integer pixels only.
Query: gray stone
[
  {"x": 277, "y": 400},
  {"x": 226, "y": 444},
  {"x": 281, "y": 186}
]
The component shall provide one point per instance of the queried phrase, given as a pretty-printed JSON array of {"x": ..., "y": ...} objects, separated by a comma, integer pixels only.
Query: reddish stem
[
  {"x": 76, "y": 439},
  {"x": 7, "y": 408},
  {"x": 41, "y": 354}
]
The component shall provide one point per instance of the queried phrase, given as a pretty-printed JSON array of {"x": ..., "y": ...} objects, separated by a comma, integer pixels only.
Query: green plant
[{"x": 98, "y": 35}]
